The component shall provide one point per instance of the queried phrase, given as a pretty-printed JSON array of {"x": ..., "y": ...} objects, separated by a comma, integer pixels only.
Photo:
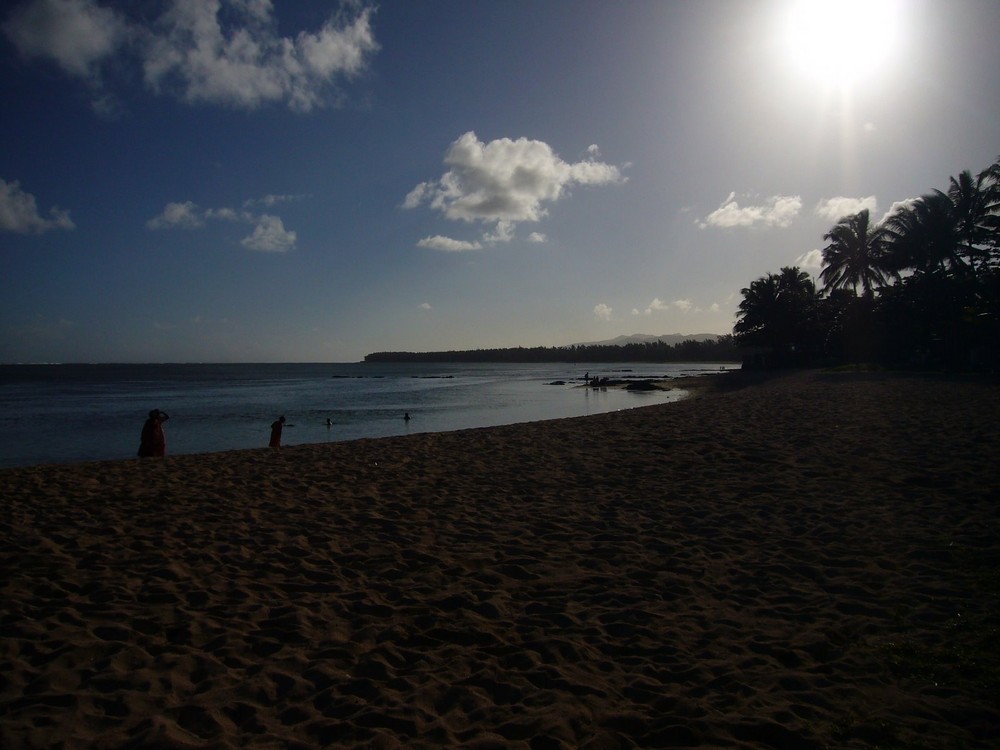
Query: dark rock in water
[
  {"x": 642, "y": 385},
  {"x": 557, "y": 382}
]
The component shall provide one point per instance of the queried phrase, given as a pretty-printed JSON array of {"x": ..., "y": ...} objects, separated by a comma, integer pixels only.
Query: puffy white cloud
[
  {"x": 19, "y": 212},
  {"x": 656, "y": 304},
  {"x": 75, "y": 34},
  {"x": 270, "y": 236},
  {"x": 447, "y": 244},
  {"x": 246, "y": 64},
  {"x": 537, "y": 237},
  {"x": 216, "y": 51},
  {"x": 684, "y": 305},
  {"x": 776, "y": 211},
  {"x": 184, "y": 215},
  {"x": 505, "y": 180},
  {"x": 602, "y": 311},
  {"x": 834, "y": 209},
  {"x": 425, "y": 306}
]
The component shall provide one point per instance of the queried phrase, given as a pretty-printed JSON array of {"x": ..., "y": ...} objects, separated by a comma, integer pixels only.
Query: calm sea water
[{"x": 67, "y": 413}]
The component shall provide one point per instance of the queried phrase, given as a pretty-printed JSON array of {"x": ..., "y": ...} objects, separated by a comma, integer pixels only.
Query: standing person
[
  {"x": 153, "y": 442},
  {"x": 276, "y": 432}
]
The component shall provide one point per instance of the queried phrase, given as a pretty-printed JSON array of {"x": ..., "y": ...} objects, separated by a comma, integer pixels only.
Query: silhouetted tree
[
  {"x": 975, "y": 202},
  {"x": 954, "y": 230},
  {"x": 924, "y": 236},
  {"x": 778, "y": 315},
  {"x": 855, "y": 255}
]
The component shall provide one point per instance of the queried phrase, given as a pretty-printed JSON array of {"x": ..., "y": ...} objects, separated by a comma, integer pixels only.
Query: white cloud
[
  {"x": 416, "y": 196},
  {"x": 215, "y": 51},
  {"x": 75, "y": 34},
  {"x": 504, "y": 232},
  {"x": 811, "y": 260},
  {"x": 505, "y": 180},
  {"x": 834, "y": 209},
  {"x": 19, "y": 212},
  {"x": 246, "y": 64},
  {"x": 776, "y": 211},
  {"x": 714, "y": 307},
  {"x": 658, "y": 305},
  {"x": 898, "y": 206},
  {"x": 226, "y": 214},
  {"x": 269, "y": 233},
  {"x": 447, "y": 244},
  {"x": 425, "y": 306},
  {"x": 602, "y": 311},
  {"x": 537, "y": 237},
  {"x": 270, "y": 236},
  {"x": 184, "y": 215}
]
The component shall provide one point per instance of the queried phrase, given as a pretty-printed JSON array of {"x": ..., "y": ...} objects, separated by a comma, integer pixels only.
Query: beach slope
[{"x": 807, "y": 561}]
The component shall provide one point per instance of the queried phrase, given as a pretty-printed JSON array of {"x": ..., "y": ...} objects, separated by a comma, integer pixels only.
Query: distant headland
[{"x": 638, "y": 348}]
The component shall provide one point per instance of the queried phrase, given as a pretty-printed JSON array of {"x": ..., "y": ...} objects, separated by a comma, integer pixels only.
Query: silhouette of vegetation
[
  {"x": 921, "y": 288},
  {"x": 722, "y": 349}
]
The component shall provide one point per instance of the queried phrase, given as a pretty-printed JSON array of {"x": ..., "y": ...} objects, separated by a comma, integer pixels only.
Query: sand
[{"x": 809, "y": 561}]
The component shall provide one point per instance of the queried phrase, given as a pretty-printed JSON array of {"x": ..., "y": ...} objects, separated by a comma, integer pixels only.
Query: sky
[{"x": 308, "y": 181}]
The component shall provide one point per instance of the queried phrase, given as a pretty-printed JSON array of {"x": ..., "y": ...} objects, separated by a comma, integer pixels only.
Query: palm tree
[
  {"x": 925, "y": 236},
  {"x": 975, "y": 201},
  {"x": 953, "y": 231},
  {"x": 758, "y": 312},
  {"x": 989, "y": 182},
  {"x": 855, "y": 255},
  {"x": 778, "y": 314}
]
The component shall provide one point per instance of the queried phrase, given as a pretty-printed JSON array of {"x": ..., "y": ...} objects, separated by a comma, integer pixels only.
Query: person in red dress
[{"x": 153, "y": 441}]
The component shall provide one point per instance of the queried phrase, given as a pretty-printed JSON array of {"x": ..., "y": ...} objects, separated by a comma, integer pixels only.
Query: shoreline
[
  {"x": 222, "y": 411},
  {"x": 804, "y": 561},
  {"x": 663, "y": 385}
]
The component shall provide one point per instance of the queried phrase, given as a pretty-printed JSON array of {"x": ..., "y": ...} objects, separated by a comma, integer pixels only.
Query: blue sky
[{"x": 244, "y": 180}]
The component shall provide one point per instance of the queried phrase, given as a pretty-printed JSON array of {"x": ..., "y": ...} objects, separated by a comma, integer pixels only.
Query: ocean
[{"x": 69, "y": 413}]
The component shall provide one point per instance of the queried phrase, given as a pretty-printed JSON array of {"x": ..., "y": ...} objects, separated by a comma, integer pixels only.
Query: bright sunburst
[{"x": 841, "y": 42}]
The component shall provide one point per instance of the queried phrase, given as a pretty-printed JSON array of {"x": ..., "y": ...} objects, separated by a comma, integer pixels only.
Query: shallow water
[{"x": 66, "y": 413}]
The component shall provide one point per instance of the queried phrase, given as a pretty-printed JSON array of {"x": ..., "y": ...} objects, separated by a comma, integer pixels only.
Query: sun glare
[{"x": 840, "y": 43}]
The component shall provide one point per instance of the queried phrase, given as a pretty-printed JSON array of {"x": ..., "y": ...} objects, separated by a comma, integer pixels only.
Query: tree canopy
[{"x": 921, "y": 287}]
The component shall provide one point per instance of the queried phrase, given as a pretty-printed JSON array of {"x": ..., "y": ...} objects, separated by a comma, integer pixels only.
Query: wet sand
[{"x": 807, "y": 561}]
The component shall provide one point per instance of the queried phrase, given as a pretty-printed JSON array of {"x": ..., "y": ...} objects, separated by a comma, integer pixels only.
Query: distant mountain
[{"x": 644, "y": 338}]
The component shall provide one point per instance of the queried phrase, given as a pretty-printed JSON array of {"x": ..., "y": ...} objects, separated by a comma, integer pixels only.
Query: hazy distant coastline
[{"x": 689, "y": 349}]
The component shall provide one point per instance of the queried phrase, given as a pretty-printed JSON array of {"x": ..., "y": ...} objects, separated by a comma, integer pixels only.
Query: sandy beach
[{"x": 805, "y": 561}]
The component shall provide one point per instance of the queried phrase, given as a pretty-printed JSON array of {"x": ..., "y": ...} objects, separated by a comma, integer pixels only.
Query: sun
[{"x": 840, "y": 43}]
